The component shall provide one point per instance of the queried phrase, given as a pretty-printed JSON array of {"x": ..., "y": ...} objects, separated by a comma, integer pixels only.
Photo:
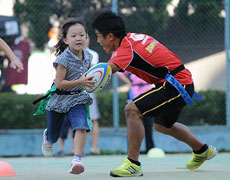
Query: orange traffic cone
[{"x": 6, "y": 170}]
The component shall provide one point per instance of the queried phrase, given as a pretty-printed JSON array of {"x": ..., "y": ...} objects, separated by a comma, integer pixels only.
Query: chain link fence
[{"x": 192, "y": 29}]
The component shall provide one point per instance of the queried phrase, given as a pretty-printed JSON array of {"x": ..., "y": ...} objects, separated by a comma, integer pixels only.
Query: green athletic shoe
[
  {"x": 198, "y": 159},
  {"x": 127, "y": 169}
]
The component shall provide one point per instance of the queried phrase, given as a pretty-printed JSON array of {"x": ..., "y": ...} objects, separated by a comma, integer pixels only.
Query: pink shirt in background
[{"x": 139, "y": 86}]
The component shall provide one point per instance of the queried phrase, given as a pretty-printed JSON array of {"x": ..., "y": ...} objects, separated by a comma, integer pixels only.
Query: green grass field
[{"x": 172, "y": 167}]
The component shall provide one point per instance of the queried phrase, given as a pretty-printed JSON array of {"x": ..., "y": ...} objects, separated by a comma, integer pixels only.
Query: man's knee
[
  {"x": 128, "y": 107},
  {"x": 131, "y": 108}
]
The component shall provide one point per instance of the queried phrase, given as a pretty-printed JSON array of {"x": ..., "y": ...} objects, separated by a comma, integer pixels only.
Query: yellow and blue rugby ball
[{"x": 101, "y": 74}]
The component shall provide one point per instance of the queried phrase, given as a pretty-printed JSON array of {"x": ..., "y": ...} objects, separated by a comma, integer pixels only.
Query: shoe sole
[
  {"x": 77, "y": 169},
  {"x": 133, "y": 175}
]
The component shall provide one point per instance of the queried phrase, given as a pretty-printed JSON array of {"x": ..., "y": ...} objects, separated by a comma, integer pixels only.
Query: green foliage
[
  {"x": 209, "y": 111},
  {"x": 199, "y": 15},
  {"x": 36, "y": 16},
  {"x": 109, "y": 152},
  {"x": 16, "y": 111},
  {"x": 105, "y": 103},
  {"x": 149, "y": 19}
]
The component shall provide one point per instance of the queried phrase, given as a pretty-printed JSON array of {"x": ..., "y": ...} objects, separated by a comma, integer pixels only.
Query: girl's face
[{"x": 76, "y": 38}]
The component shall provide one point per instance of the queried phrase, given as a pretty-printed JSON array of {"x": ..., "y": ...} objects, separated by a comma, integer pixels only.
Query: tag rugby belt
[
  {"x": 59, "y": 92},
  {"x": 169, "y": 78},
  {"x": 173, "y": 81}
]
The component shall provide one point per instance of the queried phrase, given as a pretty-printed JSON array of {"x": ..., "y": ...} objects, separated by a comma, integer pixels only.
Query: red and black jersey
[{"x": 148, "y": 59}]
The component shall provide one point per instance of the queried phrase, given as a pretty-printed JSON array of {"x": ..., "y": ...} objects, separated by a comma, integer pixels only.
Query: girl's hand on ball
[{"x": 87, "y": 81}]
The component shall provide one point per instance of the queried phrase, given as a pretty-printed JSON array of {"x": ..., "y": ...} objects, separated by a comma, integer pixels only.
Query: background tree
[
  {"x": 146, "y": 16},
  {"x": 199, "y": 15},
  {"x": 195, "y": 25},
  {"x": 139, "y": 15},
  {"x": 35, "y": 14}
]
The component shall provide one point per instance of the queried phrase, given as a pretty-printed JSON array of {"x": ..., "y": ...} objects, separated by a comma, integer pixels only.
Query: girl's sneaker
[
  {"x": 76, "y": 167},
  {"x": 47, "y": 147}
]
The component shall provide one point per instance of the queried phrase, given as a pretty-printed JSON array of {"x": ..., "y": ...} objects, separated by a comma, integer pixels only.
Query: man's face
[{"x": 106, "y": 42}]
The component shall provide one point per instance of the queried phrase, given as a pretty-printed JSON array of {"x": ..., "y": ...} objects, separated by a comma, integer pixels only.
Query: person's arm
[
  {"x": 62, "y": 83},
  {"x": 125, "y": 79},
  {"x": 114, "y": 67},
  {"x": 16, "y": 63},
  {"x": 128, "y": 84}
]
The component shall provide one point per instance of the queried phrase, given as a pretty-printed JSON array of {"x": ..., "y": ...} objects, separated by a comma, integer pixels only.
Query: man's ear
[{"x": 111, "y": 36}]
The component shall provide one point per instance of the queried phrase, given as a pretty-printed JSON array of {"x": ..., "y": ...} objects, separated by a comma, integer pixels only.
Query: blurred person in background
[
  {"x": 15, "y": 62},
  {"x": 53, "y": 33},
  {"x": 93, "y": 108},
  {"x": 21, "y": 48},
  {"x": 66, "y": 129},
  {"x": 136, "y": 87}
]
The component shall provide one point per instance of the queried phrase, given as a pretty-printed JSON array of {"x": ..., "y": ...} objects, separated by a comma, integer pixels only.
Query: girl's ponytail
[{"x": 60, "y": 47}]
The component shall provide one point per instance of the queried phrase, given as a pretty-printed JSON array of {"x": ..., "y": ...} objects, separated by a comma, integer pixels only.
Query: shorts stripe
[
  {"x": 168, "y": 101},
  {"x": 148, "y": 94},
  {"x": 162, "y": 104}
]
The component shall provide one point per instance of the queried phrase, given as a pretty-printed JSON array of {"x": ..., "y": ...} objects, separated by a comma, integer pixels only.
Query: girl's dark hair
[
  {"x": 61, "y": 46},
  {"x": 108, "y": 22}
]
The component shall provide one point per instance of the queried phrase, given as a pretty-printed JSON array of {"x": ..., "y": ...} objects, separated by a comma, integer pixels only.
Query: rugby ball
[{"x": 100, "y": 74}]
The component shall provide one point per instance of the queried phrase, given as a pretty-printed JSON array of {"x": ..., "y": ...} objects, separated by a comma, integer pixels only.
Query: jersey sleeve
[
  {"x": 62, "y": 60},
  {"x": 122, "y": 56}
]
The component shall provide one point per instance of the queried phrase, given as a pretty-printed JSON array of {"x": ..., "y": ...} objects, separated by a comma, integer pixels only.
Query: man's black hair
[{"x": 108, "y": 22}]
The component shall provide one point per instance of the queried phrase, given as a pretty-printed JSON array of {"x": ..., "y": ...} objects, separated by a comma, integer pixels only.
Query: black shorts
[{"x": 162, "y": 102}]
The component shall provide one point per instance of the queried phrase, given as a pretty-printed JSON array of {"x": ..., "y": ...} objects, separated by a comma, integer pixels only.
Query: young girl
[{"x": 71, "y": 100}]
